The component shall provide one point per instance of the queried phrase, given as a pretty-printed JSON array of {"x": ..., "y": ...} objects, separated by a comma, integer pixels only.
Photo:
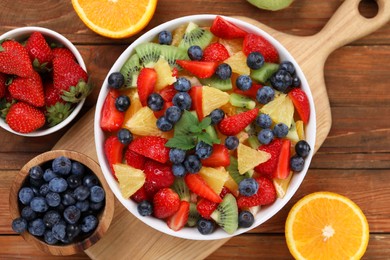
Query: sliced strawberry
[
  {"x": 29, "y": 90},
  {"x": 283, "y": 168},
  {"x": 219, "y": 157},
  {"x": 253, "y": 42},
  {"x": 168, "y": 93},
  {"x": 111, "y": 119},
  {"x": 145, "y": 84},
  {"x": 166, "y": 202},
  {"x": 14, "y": 59},
  {"x": 134, "y": 159},
  {"x": 140, "y": 195},
  {"x": 39, "y": 50},
  {"x": 252, "y": 92},
  {"x": 215, "y": 52},
  {"x": 196, "y": 96},
  {"x": 152, "y": 147},
  {"x": 113, "y": 149},
  {"x": 201, "y": 69},
  {"x": 264, "y": 196},
  {"x": 301, "y": 103},
  {"x": 269, "y": 167},
  {"x": 178, "y": 220},
  {"x": 158, "y": 176},
  {"x": 206, "y": 207},
  {"x": 234, "y": 124},
  {"x": 225, "y": 29},
  {"x": 198, "y": 186},
  {"x": 160, "y": 113}
]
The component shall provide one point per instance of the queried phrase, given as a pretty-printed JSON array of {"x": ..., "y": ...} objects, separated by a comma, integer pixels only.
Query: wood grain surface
[{"x": 353, "y": 160}]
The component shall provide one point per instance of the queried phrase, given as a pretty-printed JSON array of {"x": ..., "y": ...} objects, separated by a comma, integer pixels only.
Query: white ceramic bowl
[
  {"x": 22, "y": 34},
  {"x": 192, "y": 233}
]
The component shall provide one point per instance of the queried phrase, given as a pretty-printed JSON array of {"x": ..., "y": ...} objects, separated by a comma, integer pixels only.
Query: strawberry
[
  {"x": 29, "y": 90},
  {"x": 158, "y": 176},
  {"x": 301, "y": 103},
  {"x": 283, "y": 167},
  {"x": 39, "y": 50},
  {"x": 225, "y": 29},
  {"x": 112, "y": 119},
  {"x": 269, "y": 167},
  {"x": 140, "y": 195},
  {"x": 168, "y": 93},
  {"x": 113, "y": 149},
  {"x": 264, "y": 196},
  {"x": 152, "y": 147},
  {"x": 134, "y": 159},
  {"x": 253, "y": 42},
  {"x": 3, "y": 84},
  {"x": 166, "y": 202},
  {"x": 62, "y": 52},
  {"x": 234, "y": 124},
  {"x": 219, "y": 157},
  {"x": 178, "y": 220},
  {"x": 198, "y": 186},
  {"x": 145, "y": 84},
  {"x": 206, "y": 207},
  {"x": 52, "y": 95},
  {"x": 201, "y": 69},
  {"x": 24, "y": 118},
  {"x": 14, "y": 59},
  {"x": 252, "y": 92},
  {"x": 215, "y": 52},
  {"x": 197, "y": 99}
]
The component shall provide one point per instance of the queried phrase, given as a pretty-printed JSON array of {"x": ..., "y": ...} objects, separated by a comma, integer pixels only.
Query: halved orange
[
  {"x": 326, "y": 225},
  {"x": 115, "y": 18}
]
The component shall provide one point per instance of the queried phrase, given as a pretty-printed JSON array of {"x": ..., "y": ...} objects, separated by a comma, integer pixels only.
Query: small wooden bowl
[{"x": 104, "y": 217}]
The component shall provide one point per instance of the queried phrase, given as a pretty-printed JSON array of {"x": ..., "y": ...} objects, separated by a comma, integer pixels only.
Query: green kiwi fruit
[
  {"x": 215, "y": 82},
  {"x": 148, "y": 53},
  {"x": 226, "y": 214},
  {"x": 273, "y": 5},
  {"x": 253, "y": 142},
  {"x": 194, "y": 35},
  {"x": 238, "y": 100},
  {"x": 194, "y": 215},
  {"x": 265, "y": 72},
  {"x": 173, "y": 53},
  {"x": 130, "y": 71},
  {"x": 181, "y": 189},
  {"x": 233, "y": 170}
]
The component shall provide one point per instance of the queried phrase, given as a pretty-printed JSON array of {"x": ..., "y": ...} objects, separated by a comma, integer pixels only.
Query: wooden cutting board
[{"x": 129, "y": 238}]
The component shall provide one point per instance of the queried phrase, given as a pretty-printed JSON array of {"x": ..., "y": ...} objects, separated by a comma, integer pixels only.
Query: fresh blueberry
[
  {"x": 53, "y": 199},
  {"x": 83, "y": 205},
  {"x": 44, "y": 189},
  {"x": 173, "y": 114},
  {"x": 81, "y": 193},
  {"x": 36, "y": 172},
  {"x": 145, "y": 208},
  {"x": 216, "y": 116},
  {"x": 280, "y": 130},
  {"x": 77, "y": 168},
  {"x": 265, "y": 95},
  {"x": 60, "y": 208},
  {"x": 223, "y": 71},
  {"x": 255, "y": 60},
  {"x": 90, "y": 180},
  {"x": 36, "y": 227},
  {"x": 264, "y": 121},
  {"x": 51, "y": 218},
  {"x": 115, "y": 80},
  {"x": 68, "y": 198},
  {"x": 165, "y": 37},
  {"x": 155, "y": 102},
  {"x": 302, "y": 148},
  {"x": 245, "y": 219},
  {"x": 287, "y": 66},
  {"x": 36, "y": 183},
  {"x": 72, "y": 231},
  {"x": 244, "y": 82},
  {"x": 19, "y": 225},
  {"x": 177, "y": 155},
  {"x": 65, "y": 240},
  {"x": 205, "y": 226},
  {"x": 89, "y": 223},
  {"x": 96, "y": 206},
  {"x": 58, "y": 185},
  {"x": 38, "y": 204},
  {"x": 203, "y": 150},
  {"x": 195, "y": 52},
  {"x": 97, "y": 194},
  {"x": 61, "y": 165},
  {"x": 281, "y": 80},
  {"x": 231, "y": 142},
  {"x": 74, "y": 181},
  {"x": 296, "y": 82},
  {"x": 28, "y": 214},
  {"x": 72, "y": 214},
  {"x": 49, "y": 174},
  {"x": 125, "y": 136},
  {"x": 163, "y": 124},
  {"x": 49, "y": 238},
  {"x": 248, "y": 187},
  {"x": 26, "y": 194},
  {"x": 35, "y": 189},
  {"x": 192, "y": 164},
  {"x": 179, "y": 170},
  {"x": 122, "y": 103},
  {"x": 296, "y": 163},
  {"x": 182, "y": 84},
  {"x": 59, "y": 231},
  {"x": 182, "y": 100},
  {"x": 265, "y": 136}
]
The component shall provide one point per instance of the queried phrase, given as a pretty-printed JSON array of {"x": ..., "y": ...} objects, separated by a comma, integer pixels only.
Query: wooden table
[{"x": 354, "y": 160}]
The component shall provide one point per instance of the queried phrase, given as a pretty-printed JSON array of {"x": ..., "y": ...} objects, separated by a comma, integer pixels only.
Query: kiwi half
[
  {"x": 194, "y": 215},
  {"x": 263, "y": 74},
  {"x": 173, "y": 53},
  {"x": 130, "y": 71},
  {"x": 233, "y": 170},
  {"x": 226, "y": 214},
  {"x": 194, "y": 35},
  {"x": 215, "y": 82},
  {"x": 181, "y": 189},
  {"x": 148, "y": 53},
  {"x": 238, "y": 100}
]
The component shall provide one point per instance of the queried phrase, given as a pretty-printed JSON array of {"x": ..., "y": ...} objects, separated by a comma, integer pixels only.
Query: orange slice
[
  {"x": 326, "y": 225},
  {"x": 115, "y": 18}
]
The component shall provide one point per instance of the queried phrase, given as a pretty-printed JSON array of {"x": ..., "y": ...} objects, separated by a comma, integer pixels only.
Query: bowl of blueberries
[{"x": 61, "y": 203}]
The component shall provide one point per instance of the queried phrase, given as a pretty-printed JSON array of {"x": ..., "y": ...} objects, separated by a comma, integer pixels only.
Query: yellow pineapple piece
[
  {"x": 164, "y": 74},
  {"x": 229, "y": 109},
  {"x": 232, "y": 45},
  {"x": 238, "y": 63},
  {"x": 177, "y": 34},
  {"x": 242, "y": 136},
  {"x": 135, "y": 104},
  {"x": 231, "y": 185},
  {"x": 300, "y": 129},
  {"x": 248, "y": 158},
  {"x": 215, "y": 178},
  {"x": 143, "y": 122},
  {"x": 281, "y": 109},
  {"x": 130, "y": 179},
  {"x": 213, "y": 98},
  {"x": 281, "y": 185}
]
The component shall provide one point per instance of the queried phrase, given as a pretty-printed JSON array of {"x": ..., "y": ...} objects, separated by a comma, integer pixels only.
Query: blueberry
[
  {"x": 248, "y": 187},
  {"x": 36, "y": 172},
  {"x": 195, "y": 52},
  {"x": 125, "y": 136},
  {"x": 89, "y": 223},
  {"x": 255, "y": 60},
  {"x": 182, "y": 100},
  {"x": 265, "y": 136},
  {"x": 19, "y": 225},
  {"x": 115, "y": 80},
  {"x": 72, "y": 231},
  {"x": 96, "y": 206},
  {"x": 265, "y": 95},
  {"x": 155, "y": 102},
  {"x": 81, "y": 193},
  {"x": 296, "y": 82},
  {"x": 74, "y": 181},
  {"x": 145, "y": 208},
  {"x": 244, "y": 82},
  {"x": 49, "y": 174},
  {"x": 280, "y": 130},
  {"x": 287, "y": 66},
  {"x": 83, "y": 205},
  {"x": 231, "y": 142},
  {"x": 296, "y": 163},
  {"x": 205, "y": 226},
  {"x": 72, "y": 214},
  {"x": 44, "y": 189},
  {"x": 122, "y": 103},
  {"x": 51, "y": 218},
  {"x": 58, "y": 185},
  {"x": 245, "y": 219},
  {"x": 177, "y": 155},
  {"x": 192, "y": 164},
  {"x": 182, "y": 84},
  {"x": 61, "y": 165},
  {"x": 53, "y": 199},
  {"x": 97, "y": 194},
  {"x": 223, "y": 71},
  {"x": 49, "y": 238},
  {"x": 216, "y": 116},
  {"x": 264, "y": 121},
  {"x": 77, "y": 168},
  {"x": 165, "y": 37},
  {"x": 302, "y": 148},
  {"x": 36, "y": 227},
  {"x": 281, "y": 80},
  {"x": 36, "y": 183},
  {"x": 173, "y": 114},
  {"x": 25, "y": 195},
  {"x": 38, "y": 204},
  {"x": 28, "y": 214},
  {"x": 68, "y": 198},
  {"x": 203, "y": 150},
  {"x": 59, "y": 231},
  {"x": 90, "y": 180},
  {"x": 179, "y": 170},
  {"x": 163, "y": 124}
]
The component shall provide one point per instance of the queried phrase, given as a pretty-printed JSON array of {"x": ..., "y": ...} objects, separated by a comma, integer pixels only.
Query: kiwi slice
[
  {"x": 148, "y": 53},
  {"x": 181, "y": 189},
  {"x": 238, "y": 100},
  {"x": 226, "y": 214},
  {"x": 194, "y": 35},
  {"x": 215, "y": 82},
  {"x": 273, "y": 5},
  {"x": 265, "y": 72},
  {"x": 173, "y": 53},
  {"x": 194, "y": 215},
  {"x": 233, "y": 170},
  {"x": 130, "y": 71},
  {"x": 253, "y": 142}
]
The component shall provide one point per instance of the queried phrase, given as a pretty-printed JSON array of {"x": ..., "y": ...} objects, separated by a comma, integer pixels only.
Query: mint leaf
[
  {"x": 205, "y": 123},
  {"x": 205, "y": 137},
  {"x": 195, "y": 129},
  {"x": 182, "y": 127},
  {"x": 182, "y": 142}
]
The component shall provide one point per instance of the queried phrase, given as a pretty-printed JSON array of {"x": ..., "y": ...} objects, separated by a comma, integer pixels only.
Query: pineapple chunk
[
  {"x": 231, "y": 185},
  {"x": 143, "y": 123},
  {"x": 281, "y": 185},
  {"x": 178, "y": 34},
  {"x": 300, "y": 129},
  {"x": 130, "y": 179},
  {"x": 232, "y": 45},
  {"x": 164, "y": 74},
  {"x": 213, "y": 98},
  {"x": 238, "y": 63},
  {"x": 135, "y": 104},
  {"x": 248, "y": 158},
  {"x": 215, "y": 178},
  {"x": 281, "y": 109}
]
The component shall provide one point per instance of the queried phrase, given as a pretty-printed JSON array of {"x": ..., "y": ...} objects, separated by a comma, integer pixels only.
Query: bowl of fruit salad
[
  {"x": 205, "y": 127},
  {"x": 43, "y": 81}
]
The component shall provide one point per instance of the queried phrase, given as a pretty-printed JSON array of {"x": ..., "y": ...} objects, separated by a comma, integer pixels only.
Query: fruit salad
[{"x": 204, "y": 126}]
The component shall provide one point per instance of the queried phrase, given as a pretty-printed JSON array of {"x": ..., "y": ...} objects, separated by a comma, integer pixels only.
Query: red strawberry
[
  {"x": 225, "y": 29},
  {"x": 52, "y": 95},
  {"x": 3, "y": 86},
  {"x": 269, "y": 167},
  {"x": 63, "y": 53},
  {"x": 234, "y": 124},
  {"x": 113, "y": 149},
  {"x": 206, "y": 207},
  {"x": 158, "y": 176},
  {"x": 145, "y": 84},
  {"x": 140, "y": 195},
  {"x": 166, "y": 202},
  {"x": 168, "y": 93},
  {"x": 152, "y": 147},
  {"x": 301, "y": 103},
  {"x": 67, "y": 73},
  {"x": 29, "y": 90},
  {"x": 253, "y": 42},
  {"x": 215, "y": 52},
  {"x": 252, "y": 92},
  {"x": 111, "y": 119},
  {"x": 24, "y": 118},
  {"x": 134, "y": 159},
  {"x": 219, "y": 157},
  {"x": 264, "y": 196},
  {"x": 14, "y": 59},
  {"x": 283, "y": 168},
  {"x": 178, "y": 220},
  {"x": 198, "y": 186},
  {"x": 197, "y": 99},
  {"x": 201, "y": 69},
  {"x": 39, "y": 50}
]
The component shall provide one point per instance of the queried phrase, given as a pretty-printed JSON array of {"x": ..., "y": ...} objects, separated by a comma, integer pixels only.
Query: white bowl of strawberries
[
  {"x": 205, "y": 127},
  {"x": 43, "y": 81}
]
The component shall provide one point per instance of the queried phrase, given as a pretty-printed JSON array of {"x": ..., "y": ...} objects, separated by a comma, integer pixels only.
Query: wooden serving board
[{"x": 129, "y": 238}]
